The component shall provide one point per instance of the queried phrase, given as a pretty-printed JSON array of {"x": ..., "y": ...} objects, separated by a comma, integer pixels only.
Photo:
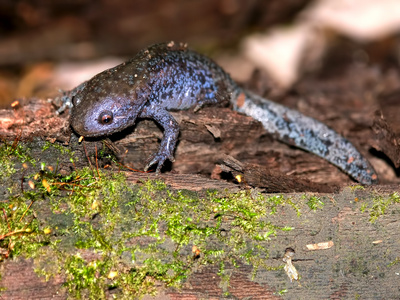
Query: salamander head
[{"x": 95, "y": 113}]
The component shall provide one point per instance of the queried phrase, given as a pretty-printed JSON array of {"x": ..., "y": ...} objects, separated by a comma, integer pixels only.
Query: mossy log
[{"x": 351, "y": 229}]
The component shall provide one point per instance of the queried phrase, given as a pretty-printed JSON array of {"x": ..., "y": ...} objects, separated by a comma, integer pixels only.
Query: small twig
[
  {"x": 97, "y": 163},
  {"x": 16, "y": 140},
  {"x": 23, "y": 215},
  {"x": 5, "y": 216},
  {"x": 12, "y": 233},
  {"x": 134, "y": 170},
  {"x": 87, "y": 155}
]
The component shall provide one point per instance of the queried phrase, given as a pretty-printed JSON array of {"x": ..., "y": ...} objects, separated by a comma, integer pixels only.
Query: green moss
[
  {"x": 10, "y": 154},
  {"x": 151, "y": 237},
  {"x": 63, "y": 150},
  {"x": 281, "y": 292},
  {"x": 357, "y": 187},
  {"x": 380, "y": 204},
  {"x": 104, "y": 236},
  {"x": 395, "y": 262},
  {"x": 313, "y": 202},
  {"x": 20, "y": 232}
]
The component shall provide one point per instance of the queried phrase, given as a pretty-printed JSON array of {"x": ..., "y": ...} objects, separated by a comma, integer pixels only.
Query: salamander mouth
[
  {"x": 79, "y": 130},
  {"x": 82, "y": 131}
]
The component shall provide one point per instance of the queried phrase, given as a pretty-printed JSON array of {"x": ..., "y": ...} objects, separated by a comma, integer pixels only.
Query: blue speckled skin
[{"x": 168, "y": 77}]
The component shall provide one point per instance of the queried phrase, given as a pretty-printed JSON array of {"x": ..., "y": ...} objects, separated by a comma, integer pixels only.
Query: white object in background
[
  {"x": 280, "y": 51},
  {"x": 363, "y": 20}
]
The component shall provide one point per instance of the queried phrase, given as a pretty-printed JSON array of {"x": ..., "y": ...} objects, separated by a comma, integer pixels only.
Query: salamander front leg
[{"x": 168, "y": 142}]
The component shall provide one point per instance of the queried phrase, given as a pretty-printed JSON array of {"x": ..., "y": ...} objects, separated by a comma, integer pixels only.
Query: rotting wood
[{"x": 198, "y": 151}]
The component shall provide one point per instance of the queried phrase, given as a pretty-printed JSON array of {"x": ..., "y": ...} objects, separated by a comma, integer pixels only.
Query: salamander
[{"x": 169, "y": 76}]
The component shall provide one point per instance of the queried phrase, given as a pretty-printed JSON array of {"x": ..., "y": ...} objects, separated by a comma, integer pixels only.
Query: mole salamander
[{"x": 169, "y": 76}]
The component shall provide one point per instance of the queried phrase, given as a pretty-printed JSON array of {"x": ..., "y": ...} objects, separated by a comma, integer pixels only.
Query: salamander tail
[{"x": 307, "y": 133}]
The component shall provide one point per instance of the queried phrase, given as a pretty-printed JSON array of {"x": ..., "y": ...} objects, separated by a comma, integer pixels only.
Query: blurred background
[
  {"x": 334, "y": 60},
  {"x": 46, "y": 45}
]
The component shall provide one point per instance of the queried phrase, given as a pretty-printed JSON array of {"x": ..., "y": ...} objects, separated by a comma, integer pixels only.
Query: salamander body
[{"x": 169, "y": 76}]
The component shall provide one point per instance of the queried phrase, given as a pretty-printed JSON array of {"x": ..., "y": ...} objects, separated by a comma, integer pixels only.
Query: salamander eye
[
  {"x": 106, "y": 117},
  {"x": 75, "y": 100}
]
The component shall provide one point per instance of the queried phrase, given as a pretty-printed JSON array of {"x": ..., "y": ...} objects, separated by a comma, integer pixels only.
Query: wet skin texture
[{"x": 168, "y": 77}]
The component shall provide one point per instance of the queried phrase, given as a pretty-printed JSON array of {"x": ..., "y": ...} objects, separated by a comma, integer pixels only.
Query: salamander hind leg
[{"x": 208, "y": 100}]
